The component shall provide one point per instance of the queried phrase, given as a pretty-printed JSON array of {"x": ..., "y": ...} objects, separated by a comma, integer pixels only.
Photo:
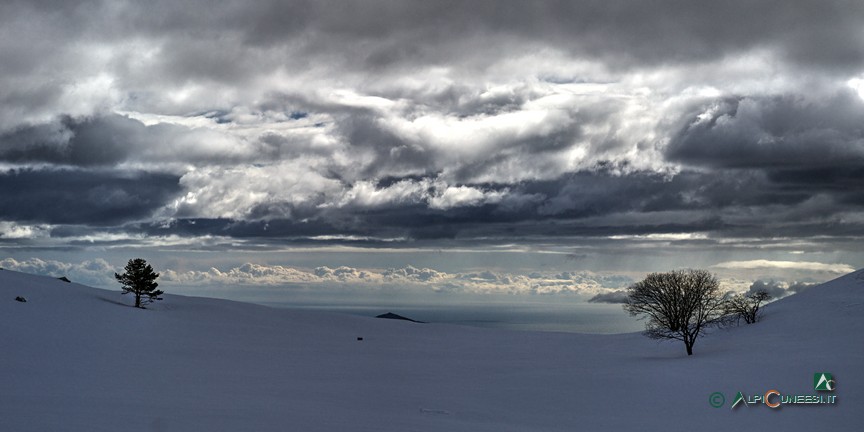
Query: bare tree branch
[{"x": 678, "y": 305}]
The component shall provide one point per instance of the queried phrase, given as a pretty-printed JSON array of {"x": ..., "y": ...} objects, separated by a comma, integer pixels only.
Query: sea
[{"x": 571, "y": 317}]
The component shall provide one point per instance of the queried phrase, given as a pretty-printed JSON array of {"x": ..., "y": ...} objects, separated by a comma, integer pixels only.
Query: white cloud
[
  {"x": 237, "y": 191},
  {"x": 857, "y": 84},
  {"x": 661, "y": 236},
  {"x": 366, "y": 194},
  {"x": 12, "y": 230},
  {"x": 437, "y": 194},
  {"x": 414, "y": 274},
  {"x": 484, "y": 282},
  {"x": 792, "y": 265},
  {"x": 95, "y": 272},
  {"x": 461, "y": 196},
  {"x": 262, "y": 120},
  {"x": 249, "y": 274}
]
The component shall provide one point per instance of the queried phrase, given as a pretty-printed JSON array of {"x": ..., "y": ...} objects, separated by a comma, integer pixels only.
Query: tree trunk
[
  {"x": 689, "y": 349},
  {"x": 138, "y": 301}
]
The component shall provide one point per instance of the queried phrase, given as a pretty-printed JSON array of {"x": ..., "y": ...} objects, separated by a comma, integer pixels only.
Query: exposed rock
[{"x": 391, "y": 315}]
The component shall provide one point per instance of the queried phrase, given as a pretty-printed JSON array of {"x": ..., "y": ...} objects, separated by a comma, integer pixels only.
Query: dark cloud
[
  {"x": 98, "y": 141},
  {"x": 617, "y": 296},
  {"x": 585, "y": 204},
  {"x": 796, "y": 287},
  {"x": 387, "y": 33},
  {"x": 779, "y": 289},
  {"x": 435, "y": 123},
  {"x": 111, "y": 139},
  {"x": 83, "y": 197},
  {"x": 392, "y": 154},
  {"x": 773, "y": 132},
  {"x": 171, "y": 44},
  {"x": 625, "y": 31},
  {"x": 276, "y": 228},
  {"x": 775, "y": 289}
]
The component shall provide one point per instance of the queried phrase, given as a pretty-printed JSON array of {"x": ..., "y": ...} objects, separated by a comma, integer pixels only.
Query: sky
[{"x": 290, "y": 150}]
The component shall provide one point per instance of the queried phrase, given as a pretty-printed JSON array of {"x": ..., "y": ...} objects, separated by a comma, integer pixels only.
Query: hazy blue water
[{"x": 567, "y": 317}]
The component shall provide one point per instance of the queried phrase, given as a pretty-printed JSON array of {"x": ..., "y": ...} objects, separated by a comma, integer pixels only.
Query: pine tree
[{"x": 140, "y": 279}]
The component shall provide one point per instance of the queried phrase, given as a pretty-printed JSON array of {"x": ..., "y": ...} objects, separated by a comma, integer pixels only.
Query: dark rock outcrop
[{"x": 391, "y": 315}]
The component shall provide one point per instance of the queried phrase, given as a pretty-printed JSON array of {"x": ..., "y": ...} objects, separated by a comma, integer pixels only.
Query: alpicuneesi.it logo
[{"x": 822, "y": 382}]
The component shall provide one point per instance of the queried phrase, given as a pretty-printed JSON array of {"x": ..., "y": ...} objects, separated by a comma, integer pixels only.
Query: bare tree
[
  {"x": 679, "y": 305},
  {"x": 747, "y": 306}
]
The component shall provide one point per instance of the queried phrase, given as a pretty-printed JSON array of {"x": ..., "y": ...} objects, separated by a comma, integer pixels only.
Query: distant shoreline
[{"x": 589, "y": 318}]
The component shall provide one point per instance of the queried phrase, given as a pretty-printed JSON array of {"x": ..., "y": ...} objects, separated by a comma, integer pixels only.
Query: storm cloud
[
  {"x": 83, "y": 197},
  {"x": 610, "y": 126},
  {"x": 778, "y": 289},
  {"x": 778, "y": 133}
]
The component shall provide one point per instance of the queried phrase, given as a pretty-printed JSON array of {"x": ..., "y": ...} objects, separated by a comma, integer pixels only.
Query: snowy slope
[{"x": 75, "y": 358}]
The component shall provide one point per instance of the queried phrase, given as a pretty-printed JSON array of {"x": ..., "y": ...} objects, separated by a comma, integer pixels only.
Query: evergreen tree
[{"x": 140, "y": 279}]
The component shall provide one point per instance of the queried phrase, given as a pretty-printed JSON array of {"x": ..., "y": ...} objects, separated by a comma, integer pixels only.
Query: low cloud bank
[{"x": 409, "y": 278}]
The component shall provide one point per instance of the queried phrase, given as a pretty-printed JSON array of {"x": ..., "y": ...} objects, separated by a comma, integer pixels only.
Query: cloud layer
[
  {"x": 723, "y": 124},
  {"x": 347, "y": 279}
]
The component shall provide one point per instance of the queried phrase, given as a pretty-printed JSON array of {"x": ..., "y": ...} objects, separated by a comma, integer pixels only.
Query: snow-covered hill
[{"x": 75, "y": 358}]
